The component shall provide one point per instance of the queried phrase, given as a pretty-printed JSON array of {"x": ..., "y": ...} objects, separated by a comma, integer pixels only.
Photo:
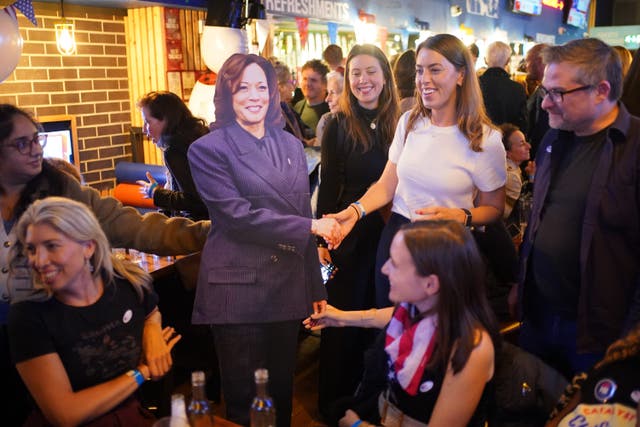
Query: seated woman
[
  {"x": 91, "y": 334},
  {"x": 440, "y": 336},
  {"x": 518, "y": 151}
]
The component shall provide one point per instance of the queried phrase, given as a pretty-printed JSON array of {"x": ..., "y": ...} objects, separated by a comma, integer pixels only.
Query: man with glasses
[{"x": 580, "y": 265}]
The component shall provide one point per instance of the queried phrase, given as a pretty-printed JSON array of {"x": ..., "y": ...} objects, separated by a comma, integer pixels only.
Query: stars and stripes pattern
[
  {"x": 410, "y": 346},
  {"x": 11, "y": 11},
  {"x": 26, "y": 8}
]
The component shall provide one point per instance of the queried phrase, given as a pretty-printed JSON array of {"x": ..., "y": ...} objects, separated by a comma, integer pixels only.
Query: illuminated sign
[
  {"x": 632, "y": 39},
  {"x": 329, "y": 10},
  {"x": 556, "y": 4}
]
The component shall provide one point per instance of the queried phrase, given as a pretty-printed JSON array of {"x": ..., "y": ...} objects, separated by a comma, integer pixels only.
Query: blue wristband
[
  {"x": 136, "y": 375},
  {"x": 357, "y": 423},
  {"x": 150, "y": 190},
  {"x": 362, "y": 213}
]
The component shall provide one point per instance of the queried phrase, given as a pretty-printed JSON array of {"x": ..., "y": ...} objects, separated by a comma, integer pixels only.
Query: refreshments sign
[{"x": 330, "y": 10}]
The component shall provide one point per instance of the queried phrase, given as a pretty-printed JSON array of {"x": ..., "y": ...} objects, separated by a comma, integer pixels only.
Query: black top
[
  {"x": 347, "y": 170},
  {"x": 555, "y": 256},
  {"x": 95, "y": 343},
  {"x": 182, "y": 198},
  {"x": 504, "y": 99},
  {"x": 538, "y": 121}
]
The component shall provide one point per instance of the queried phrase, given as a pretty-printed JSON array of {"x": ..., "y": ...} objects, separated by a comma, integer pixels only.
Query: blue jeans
[{"x": 553, "y": 339}]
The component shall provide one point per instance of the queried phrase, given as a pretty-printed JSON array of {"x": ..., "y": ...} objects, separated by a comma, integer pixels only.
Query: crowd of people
[{"x": 423, "y": 165}]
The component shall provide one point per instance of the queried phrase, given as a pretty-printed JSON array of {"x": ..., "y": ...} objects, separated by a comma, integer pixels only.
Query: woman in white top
[{"x": 446, "y": 162}]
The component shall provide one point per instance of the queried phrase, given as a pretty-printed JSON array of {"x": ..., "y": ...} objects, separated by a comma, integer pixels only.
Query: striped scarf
[{"x": 410, "y": 346}]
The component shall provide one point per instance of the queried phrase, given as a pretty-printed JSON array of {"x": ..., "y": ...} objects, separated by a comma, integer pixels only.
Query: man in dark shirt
[
  {"x": 504, "y": 99},
  {"x": 538, "y": 119},
  {"x": 579, "y": 259}
]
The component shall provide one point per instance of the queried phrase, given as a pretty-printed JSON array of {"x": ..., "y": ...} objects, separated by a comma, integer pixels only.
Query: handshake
[
  {"x": 329, "y": 229},
  {"x": 334, "y": 227}
]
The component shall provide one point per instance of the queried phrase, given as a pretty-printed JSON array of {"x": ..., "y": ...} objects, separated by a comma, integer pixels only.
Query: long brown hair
[
  {"x": 388, "y": 109},
  {"x": 448, "y": 250},
  {"x": 472, "y": 116},
  {"x": 227, "y": 83}
]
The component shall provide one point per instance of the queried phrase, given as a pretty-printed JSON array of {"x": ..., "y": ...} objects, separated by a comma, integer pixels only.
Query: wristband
[
  {"x": 151, "y": 189},
  {"x": 356, "y": 209},
  {"x": 136, "y": 375},
  {"x": 358, "y": 205},
  {"x": 357, "y": 423}
]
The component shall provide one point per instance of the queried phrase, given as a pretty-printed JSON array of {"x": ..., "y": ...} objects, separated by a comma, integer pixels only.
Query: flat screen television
[
  {"x": 575, "y": 13},
  {"x": 528, "y": 7},
  {"x": 62, "y": 138}
]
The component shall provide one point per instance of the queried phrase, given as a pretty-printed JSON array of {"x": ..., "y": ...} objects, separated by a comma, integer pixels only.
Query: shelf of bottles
[{"x": 288, "y": 48}]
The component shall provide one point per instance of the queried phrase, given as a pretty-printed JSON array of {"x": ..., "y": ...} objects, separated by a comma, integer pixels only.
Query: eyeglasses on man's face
[
  {"x": 24, "y": 145},
  {"x": 557, "y": 95}
]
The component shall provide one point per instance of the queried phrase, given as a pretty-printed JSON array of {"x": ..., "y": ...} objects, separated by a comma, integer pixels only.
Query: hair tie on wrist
[
  {"x": 359, "y": 209},
  {"x": 357, "y": 423},
  {"x": 358, "y": 205},
  {"x": 356, "y": 209}
]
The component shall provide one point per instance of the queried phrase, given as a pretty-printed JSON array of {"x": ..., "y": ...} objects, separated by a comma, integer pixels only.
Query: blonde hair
[{"x": 76, "y": 221}]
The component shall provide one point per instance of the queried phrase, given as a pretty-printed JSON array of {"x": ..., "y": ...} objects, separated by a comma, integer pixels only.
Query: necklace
[{"x": 373, "y": 125}]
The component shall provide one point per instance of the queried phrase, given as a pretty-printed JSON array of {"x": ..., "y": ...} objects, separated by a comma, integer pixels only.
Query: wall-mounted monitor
[
  {"x": 528, "y": 7},
  {"x": 575, "y": 13},
  {"x": 62, "y": 137}
]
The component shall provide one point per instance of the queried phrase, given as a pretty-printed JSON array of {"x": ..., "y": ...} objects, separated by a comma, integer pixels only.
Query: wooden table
[{"x": 221, "y": 422}]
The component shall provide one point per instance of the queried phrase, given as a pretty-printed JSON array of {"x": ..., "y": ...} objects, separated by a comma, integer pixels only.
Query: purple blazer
[{"x": 259, "y": 263}]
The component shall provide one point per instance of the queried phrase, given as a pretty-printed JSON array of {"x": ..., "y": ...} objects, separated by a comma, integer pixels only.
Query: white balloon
[
  {"x": 201, "y": 101},
  {"x": 10, "y": 45},
  {"x": 219, "y": 43}
]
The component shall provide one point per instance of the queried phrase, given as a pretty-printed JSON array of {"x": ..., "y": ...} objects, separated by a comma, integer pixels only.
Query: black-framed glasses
[
  {"x": 24, "y": 145},
  {"x": 557, "y": 95}
]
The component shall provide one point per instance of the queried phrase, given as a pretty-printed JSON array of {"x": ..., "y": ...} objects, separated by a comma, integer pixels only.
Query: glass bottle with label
[
  {"x": 263, "y": 411},
  {"x": 200, "y": 414},
  {"x": 178, "y": 411}
]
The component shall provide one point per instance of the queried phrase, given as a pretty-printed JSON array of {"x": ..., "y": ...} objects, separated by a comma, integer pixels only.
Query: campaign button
[{"x": 605, "y": 389}]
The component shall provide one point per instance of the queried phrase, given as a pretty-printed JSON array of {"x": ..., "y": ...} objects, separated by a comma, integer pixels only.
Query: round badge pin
[
  {"x": 426, "y": 386},
  {"x": 604, "y": 390}
]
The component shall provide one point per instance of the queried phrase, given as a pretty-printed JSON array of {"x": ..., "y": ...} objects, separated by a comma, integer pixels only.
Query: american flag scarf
[{"x": 410, "y": 346}]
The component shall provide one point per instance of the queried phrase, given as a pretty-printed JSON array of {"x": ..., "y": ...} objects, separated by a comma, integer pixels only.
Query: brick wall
[{"x": 91, "y": 85}]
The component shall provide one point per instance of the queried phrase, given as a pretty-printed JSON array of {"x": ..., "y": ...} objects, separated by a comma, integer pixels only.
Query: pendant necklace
[{"x": 373, "y": 125}]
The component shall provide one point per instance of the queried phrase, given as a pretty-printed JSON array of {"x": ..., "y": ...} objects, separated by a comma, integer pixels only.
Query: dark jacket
[
  {"x": 504, "y": 99},
  {"x": 610, "y": 246},
  {"x": 183, "y": 198},
  {"x": 260, "y": 262}
]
